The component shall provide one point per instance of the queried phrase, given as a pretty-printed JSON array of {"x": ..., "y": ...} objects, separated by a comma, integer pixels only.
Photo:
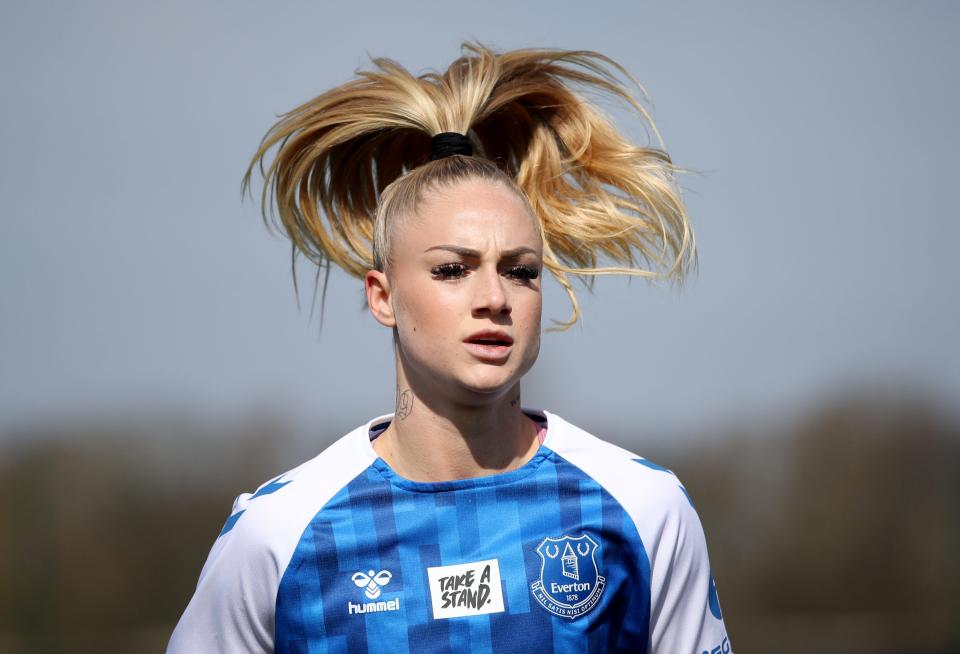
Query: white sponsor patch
[{"x": 465, "y": 589}]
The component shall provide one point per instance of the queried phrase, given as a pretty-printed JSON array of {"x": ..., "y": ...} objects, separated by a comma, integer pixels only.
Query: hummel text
[{"x": 373, "y": 607}]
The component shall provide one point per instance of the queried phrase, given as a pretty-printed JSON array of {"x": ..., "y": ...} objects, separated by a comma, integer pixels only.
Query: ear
[{"x": 377, "y": 287}]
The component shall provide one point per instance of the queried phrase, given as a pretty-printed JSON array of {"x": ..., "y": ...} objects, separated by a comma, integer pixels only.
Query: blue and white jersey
[{"x": 586, "y": 548}]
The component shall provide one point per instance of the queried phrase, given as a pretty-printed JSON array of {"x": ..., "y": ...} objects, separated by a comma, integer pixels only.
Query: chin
[
  {"x": 491, "y": 383},
  {"x": 467, "y": 382}
]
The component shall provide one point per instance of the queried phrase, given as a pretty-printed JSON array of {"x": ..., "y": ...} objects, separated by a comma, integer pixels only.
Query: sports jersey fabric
[{"x": 585, "y": 548}]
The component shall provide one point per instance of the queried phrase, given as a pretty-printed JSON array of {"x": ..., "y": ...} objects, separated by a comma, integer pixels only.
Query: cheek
[
  {"x": 527, "y": 320},
  {"x": 530, "y": 307},
  {"x": 424, "y": 308},
  {"x": 527, "y": 313},
  {"x": 534, "y": 328}
]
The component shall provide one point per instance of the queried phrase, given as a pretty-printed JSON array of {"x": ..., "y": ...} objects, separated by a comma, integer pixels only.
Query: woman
[{"x": 463, "y": 522}]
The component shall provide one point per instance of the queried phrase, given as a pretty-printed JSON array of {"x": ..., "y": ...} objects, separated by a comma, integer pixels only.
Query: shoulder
[
  {"x": 685, "y": 610},
  {"x": 232, "y": 608},
  {"x": 644, "y": 488},
  {"x": 652, "y": 496},
  {"x": 278, "y": 510}
]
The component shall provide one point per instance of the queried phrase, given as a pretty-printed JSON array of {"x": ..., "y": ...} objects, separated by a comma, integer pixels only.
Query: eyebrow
[{"x": 467, "y": 252}]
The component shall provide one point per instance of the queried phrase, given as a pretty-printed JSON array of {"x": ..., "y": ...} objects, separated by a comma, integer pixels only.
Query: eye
[
  {"x": 523, "y": 273},
  {"x": 448, "y": 271}
]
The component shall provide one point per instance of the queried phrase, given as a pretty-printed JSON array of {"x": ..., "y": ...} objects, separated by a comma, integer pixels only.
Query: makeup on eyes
[{"x": 457, "y": 270}]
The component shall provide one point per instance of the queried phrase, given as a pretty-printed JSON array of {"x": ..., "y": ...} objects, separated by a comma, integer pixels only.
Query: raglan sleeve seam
[{"x": 232, "y": 608}]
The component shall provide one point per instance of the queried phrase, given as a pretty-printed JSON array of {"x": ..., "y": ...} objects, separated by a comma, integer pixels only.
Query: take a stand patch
[
  {"x": 569, "y": 583},
  {"x": 465, "y": 589}
]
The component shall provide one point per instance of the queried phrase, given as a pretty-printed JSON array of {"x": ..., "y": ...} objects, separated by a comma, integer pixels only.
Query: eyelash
[
  {"x": 519, "y": 273},
  {"x": 524, "y": 273},
  {"x": 448, "y": 271}
]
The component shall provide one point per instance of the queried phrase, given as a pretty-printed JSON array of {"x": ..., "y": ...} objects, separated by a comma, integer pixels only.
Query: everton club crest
[{"x": 569, "y": 583}]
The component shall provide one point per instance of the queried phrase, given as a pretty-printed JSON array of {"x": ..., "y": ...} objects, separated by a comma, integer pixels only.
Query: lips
[
  {"x": 490, "y": 337},
  {"x": 489, "y": 345}
]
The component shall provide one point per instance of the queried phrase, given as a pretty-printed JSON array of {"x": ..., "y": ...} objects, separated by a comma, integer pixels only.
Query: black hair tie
[{"x": 446, "y": 144}]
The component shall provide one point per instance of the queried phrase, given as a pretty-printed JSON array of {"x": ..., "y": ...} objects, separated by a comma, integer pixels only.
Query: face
[{"x": 463, "y": 290}]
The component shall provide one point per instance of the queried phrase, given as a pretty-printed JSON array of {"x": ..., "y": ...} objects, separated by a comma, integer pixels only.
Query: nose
[{"x": 490, "y": 296}]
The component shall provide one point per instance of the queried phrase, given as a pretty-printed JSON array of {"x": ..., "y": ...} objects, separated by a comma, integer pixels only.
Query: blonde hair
[{"x": 353, "y": 159}]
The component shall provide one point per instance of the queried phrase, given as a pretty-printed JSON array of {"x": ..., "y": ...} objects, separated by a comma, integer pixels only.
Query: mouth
[{"x": 490, "y": 345}]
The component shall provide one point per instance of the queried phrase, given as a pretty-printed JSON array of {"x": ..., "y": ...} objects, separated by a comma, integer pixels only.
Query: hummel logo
[{"x": 371, "y": 582}]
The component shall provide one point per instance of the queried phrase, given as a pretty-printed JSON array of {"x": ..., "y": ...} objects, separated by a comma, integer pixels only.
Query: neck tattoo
[{"x": 404, "y": 403}]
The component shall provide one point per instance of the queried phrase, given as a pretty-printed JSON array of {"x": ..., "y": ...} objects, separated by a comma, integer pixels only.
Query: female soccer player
[{"x": 463, "y": 522}]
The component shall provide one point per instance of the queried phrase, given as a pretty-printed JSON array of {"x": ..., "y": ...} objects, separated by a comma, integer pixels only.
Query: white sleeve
[
  {"x": 685, "y": 612},
  {"x": 234, "y": 606},
  {"x": 232, "y": 609}
]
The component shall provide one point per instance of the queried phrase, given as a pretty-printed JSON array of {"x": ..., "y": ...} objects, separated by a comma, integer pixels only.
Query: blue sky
[{"x": 134, "y": 277}]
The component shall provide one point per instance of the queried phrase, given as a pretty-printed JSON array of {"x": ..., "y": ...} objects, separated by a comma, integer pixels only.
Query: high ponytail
[{"x": 352, "y": 159}]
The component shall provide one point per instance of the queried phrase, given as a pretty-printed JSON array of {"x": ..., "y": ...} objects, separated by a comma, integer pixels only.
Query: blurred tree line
[{"x": 836, "y": 532}]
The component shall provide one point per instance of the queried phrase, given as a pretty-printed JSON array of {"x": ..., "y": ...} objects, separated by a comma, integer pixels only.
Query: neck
[{"x": 435, "y": 439}]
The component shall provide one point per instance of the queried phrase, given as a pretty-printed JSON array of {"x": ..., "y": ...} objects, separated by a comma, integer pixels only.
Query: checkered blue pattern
[{"x": 380, "y": 521}]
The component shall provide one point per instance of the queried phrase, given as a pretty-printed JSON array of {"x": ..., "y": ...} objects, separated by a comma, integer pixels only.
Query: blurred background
[{"x": 804, "y": 384}]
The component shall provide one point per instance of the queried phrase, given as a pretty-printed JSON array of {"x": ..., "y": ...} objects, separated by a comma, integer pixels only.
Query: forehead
[{"x": 477, "y": 214}]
